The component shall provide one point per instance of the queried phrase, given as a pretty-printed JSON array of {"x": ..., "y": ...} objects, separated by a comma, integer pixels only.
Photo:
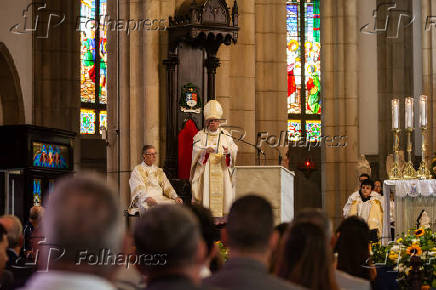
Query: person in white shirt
[
  {"x": 81, "y": 220},
  {"x": 149, "y": 185}
]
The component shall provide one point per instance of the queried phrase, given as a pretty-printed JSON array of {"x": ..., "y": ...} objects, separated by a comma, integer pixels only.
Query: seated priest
[
  {"x": 213, "y": 160},
  {"x": 368, "y": 205},
  {"x": 149, "y": 185}
]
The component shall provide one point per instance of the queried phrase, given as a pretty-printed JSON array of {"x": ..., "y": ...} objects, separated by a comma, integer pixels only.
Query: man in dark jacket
[{"x": 249, "y": 235}]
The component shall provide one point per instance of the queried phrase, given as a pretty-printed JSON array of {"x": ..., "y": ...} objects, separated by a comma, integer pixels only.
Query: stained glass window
[
  {"x": 294, "y": 129},
  {"x": 313, "y": 130},
  {"x": 293, "y": 58},
  {"x": 93, "y": 66},
  {"x": 312, "y": 58},
  {"x": 50, "y": 155},
  {"x": 36, "y": 191},
  {"x": 103, "y": 120},
  {"x": 87, "y": 121},
  {"x": 87, "y": 52},
  {"x": 304, "y": 69}
]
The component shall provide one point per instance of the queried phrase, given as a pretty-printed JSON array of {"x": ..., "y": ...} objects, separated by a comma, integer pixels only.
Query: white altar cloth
[{"x": 411, "y": 196}]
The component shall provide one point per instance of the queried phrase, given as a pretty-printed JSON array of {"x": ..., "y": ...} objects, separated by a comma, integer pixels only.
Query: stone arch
[{"x": 11, "y": 96}]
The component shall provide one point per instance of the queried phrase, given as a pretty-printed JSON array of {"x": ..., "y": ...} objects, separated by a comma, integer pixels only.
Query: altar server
[{"x": 368, "y": 205}]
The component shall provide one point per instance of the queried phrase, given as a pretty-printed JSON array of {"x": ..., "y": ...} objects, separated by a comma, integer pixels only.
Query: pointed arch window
[
  {"x": 304, "y": 69},
  {"x": 93, "y": 73}
]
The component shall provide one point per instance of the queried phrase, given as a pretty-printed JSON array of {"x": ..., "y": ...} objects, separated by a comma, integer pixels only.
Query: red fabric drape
[
  {"x": 291, "y": 82},
  {"x": 186, "y": 137}
]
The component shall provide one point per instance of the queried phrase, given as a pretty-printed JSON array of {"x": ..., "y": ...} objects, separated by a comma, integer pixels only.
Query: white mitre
[{"x": 213, "y": 110}]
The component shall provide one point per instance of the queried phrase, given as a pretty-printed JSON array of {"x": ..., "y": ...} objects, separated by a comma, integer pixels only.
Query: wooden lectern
[{"x": 275, "y": 183}]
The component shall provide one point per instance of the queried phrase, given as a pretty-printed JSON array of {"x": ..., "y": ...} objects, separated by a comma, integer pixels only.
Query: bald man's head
[
  {"x": 14, "y": 230},
  {"x": 82, "y": 213}
]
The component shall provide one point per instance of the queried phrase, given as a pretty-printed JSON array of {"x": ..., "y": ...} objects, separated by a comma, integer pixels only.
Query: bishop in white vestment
[
  {"x": 213, "y": 159},
  {"x": 149, "y": 185}
]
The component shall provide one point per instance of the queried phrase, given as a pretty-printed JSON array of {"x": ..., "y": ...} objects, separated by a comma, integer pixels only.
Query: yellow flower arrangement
[
  {"x": 400, "y": 255},
  {"x": 414, "y": 250},
  {"x": 419, "y": 232},
  {"x": 393, "y": 256}
]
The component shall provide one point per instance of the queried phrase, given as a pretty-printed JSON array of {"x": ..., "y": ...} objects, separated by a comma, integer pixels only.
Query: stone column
[
  {"x": 137, "y": 92},
  {"x": 118, "y": 150},
  {"x": 242, "y": 80},
  {"x": 56, "y": 73},
  {"x": 340, "y": 79},
  {"x": 394, "y": 73},
  {"x": 428, "y": 70},
  {"x": 222, "y": 79},
  {"x": 151, "y": 77},
  {"x": 167, "y": 8},
  {"x": 271, "y": 84}
]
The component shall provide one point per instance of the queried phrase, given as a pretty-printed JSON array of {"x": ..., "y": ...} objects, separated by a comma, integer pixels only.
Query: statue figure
[{"x": 423, "y": 220}]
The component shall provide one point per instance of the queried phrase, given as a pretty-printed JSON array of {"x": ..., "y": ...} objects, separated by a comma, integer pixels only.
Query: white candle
[
  {"x": 409, "y": 112},
  {"x": 423, "y": 111},
  {"x": 395, "y": 114}
]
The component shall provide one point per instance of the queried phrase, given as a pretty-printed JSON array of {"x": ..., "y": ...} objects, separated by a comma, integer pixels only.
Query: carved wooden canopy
[{"x": 205, "y": 19}]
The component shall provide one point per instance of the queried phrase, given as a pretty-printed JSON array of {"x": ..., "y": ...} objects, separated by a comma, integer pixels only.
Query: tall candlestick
[
  {"x": 423, "y": 111},
  {"x": 409, "y": 113},
  {"x": 395, "y": 114}
]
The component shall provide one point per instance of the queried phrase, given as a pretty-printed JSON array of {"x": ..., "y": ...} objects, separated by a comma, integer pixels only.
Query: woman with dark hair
[
  {"x": 306, "y": 258},
  {"x": 352, "y": 248},
  {"x": 280, "y": 230}
]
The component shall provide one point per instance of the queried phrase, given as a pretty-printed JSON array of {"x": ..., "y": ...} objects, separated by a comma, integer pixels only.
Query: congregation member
[
  {"x": 210, "y": 235},
  {"x": 149, "y": 185},
  {"x": 280, "y": 231},
  {"x": 249, "y": 236},
  {"x": 213, "y": 160},
  {"x": 306, "y": 258},
  {"x": 368, "y": 205},
  {"x": 170, "y": 236},
  {"x": 6, "y": 277},
  {"x": 129, "y": 278},
  {"x": 319, "y": 217},
  {"x": 32, "y": 228},
  {"x": 82, "y": 218},
  {"x": 352, "y": 248},
  {"x": 17, "y": 262}
]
